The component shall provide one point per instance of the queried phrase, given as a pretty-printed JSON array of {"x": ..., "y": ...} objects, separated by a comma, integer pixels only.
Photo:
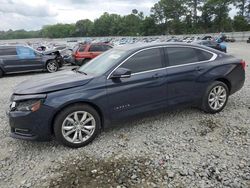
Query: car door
[
  {"x": 29, "y": 59},
  {"x": 10, "y": 60},
  {"x": 146, "y": 88},
  {"x": 185, "y": 67}
]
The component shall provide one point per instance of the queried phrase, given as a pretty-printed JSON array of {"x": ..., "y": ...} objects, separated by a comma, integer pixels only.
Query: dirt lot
[{"x": 181, "y": 148}]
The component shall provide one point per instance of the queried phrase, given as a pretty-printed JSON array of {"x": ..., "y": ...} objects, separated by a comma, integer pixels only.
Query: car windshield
[{"x": 102, "y": 63}]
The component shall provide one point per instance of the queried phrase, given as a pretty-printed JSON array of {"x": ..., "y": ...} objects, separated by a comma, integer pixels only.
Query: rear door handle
[{"x": 156, "y": 76}]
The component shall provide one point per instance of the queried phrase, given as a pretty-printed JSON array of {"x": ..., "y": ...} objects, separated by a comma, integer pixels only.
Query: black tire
[
  {"x": 205, "y": 101},
  {"x": 52, "y": 66},
  {"x": 64, "y": 114},
  {"x": 1, "y": 73}
]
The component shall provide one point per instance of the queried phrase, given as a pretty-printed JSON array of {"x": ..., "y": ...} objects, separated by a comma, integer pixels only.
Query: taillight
[{"x": 243, "y": 64}]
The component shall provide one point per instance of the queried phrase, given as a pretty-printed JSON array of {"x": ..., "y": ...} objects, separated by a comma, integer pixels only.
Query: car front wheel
[
  {"x": 52, "y": 66},
  {"x": 77, "y": 125},
  {"x": 216, "y": 97}
]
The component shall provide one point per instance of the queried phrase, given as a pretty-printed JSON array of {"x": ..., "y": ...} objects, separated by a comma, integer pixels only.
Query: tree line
[{"x": 167, "y": 17}]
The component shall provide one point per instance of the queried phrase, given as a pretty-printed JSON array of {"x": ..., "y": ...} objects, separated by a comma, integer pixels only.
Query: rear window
[
  {"x": 8, "y": 51},
  {"x": 181, "y": 55}
]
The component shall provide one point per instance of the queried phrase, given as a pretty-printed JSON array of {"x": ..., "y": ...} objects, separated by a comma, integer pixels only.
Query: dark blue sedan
[{"x": 125, "y": 81}]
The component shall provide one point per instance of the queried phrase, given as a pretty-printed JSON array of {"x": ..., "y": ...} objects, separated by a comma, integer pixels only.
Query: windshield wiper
[
  {"x": 81, "y": 72},
  {"x": 77, "y": 70}
]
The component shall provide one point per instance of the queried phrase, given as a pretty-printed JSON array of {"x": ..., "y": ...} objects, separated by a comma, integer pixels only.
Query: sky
[{"x": 33, "y": 14}]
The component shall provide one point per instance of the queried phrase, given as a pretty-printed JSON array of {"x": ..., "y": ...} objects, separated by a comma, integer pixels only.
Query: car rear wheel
[
  {"x": 216, "y": 97},
  {"x": 1, "y": 73},
  {"x": 52, "y": 66},
  {"x": 77, "y": 125}
]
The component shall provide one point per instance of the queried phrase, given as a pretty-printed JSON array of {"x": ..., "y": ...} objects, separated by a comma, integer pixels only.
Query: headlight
[{"x": 27, "y": 105}]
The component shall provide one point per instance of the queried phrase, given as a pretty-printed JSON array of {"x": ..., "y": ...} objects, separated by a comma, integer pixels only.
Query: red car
[{"x": 82, "y": 53}]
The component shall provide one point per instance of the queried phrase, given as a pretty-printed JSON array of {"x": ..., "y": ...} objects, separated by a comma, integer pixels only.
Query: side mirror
[{"x": 121, "y": 73}]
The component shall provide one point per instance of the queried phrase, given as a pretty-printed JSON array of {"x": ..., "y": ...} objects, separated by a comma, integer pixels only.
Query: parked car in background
[
  {"x": 18, "y": 58},
  {"x": 212, "y": 44},
  {"x": 230, "y": 39},
  {"x": 121, "y": 83},
  {"x": 82, "y": 53},
  {"x": 248, "y": 41}
]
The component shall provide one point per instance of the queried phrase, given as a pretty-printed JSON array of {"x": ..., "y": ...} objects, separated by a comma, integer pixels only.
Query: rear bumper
[{"x": 31, "y": 125}]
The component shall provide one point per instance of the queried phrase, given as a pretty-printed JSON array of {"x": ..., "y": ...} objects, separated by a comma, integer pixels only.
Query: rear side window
[
  {"x": 7, "y": 51},
  {"x": 144, "y": 61},
  {"x": 96, "y": 48},
  {"x": 203, "y": 55},
  {"x": 181, "y": 55}
]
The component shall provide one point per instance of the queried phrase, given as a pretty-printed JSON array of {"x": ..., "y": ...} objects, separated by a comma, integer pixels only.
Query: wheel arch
[
  {"x": 225, "y": 81},
  {"x": 99, "y": 111}
]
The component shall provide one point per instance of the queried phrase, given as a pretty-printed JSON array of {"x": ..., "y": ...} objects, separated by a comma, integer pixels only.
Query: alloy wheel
[
  {"x": 52, "y": 66},
  {"x": 217, "y": 97},
  {"x": 78, "y": 127}
]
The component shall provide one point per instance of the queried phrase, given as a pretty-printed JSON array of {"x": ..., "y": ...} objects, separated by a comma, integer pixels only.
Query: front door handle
[{"x": 199, "y": 68}]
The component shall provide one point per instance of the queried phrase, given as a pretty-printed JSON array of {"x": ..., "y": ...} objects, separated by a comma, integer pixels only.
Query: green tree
[
  {"x": 169, "y": 13},
  {"x": 58, "y": 31},
  {"x": 240, "y": 23},
  {"x": 84, "y": 28},
  {"x": 217, "y": 11}
]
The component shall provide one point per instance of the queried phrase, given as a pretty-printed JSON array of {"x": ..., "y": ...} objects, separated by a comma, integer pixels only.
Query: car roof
[
  {"x": 11, "y": 46},
  {"x": 140, "y": 46}
]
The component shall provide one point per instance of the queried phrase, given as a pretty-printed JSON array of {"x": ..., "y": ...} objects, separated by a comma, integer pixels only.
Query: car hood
[{"x": 52, "y": 82}]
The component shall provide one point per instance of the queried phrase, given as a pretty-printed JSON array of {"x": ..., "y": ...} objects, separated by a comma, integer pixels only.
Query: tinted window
[
  {"x": 181, "y": 55},
  {"x": 96, "y": 48},
  {"x": 82, "y": 48},
  {"x": 203, "y": 55},
  {"x": 7, "y": 51},
  {"x": 144, "y": 61},
  {"x": 106, "y": 47}
]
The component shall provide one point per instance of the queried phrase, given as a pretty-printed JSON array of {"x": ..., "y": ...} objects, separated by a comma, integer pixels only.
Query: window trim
[{"x": 167, "y": 67}]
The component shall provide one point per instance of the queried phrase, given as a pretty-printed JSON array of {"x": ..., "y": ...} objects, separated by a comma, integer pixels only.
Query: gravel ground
[{"x": 181, "y": 148}]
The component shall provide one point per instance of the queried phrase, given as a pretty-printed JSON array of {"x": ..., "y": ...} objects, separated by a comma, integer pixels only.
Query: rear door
[
  {"x": 144, "y": 90},
  {"x": 11, "y": 62},
  {"x": 185, "y": 66}
]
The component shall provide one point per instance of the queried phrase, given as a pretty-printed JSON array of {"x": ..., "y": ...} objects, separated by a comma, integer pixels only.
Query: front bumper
[{"x": 31, "y": 125}]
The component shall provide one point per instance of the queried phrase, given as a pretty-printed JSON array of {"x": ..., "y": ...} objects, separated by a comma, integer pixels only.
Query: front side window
[
  {"x": 181, "y": 55},
  {"x": 25, "y": 52},
  {"x": 144, "y": 61},
  {"x": 82, "y": 48},
  {"x": 106, "y": 47}
]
